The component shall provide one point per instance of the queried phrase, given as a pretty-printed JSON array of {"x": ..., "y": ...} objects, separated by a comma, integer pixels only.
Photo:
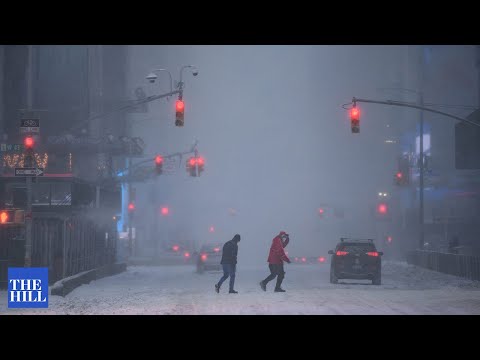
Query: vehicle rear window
[{"x": 357, "y": 248}]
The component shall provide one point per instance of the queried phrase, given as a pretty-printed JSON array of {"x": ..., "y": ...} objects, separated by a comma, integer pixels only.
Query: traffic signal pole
[
  {"x": 419, "y": 106},
  {"x": 28, "y": 217}
]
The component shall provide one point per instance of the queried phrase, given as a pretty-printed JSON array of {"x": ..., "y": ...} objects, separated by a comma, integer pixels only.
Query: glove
[{"x": 288, "y": 261}]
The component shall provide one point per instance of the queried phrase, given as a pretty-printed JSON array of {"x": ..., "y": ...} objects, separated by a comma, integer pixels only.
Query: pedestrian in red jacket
[{"x": 276, "y": 257}]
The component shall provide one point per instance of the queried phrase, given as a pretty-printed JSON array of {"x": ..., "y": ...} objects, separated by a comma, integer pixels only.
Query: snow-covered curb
[{"x": 67, "y": 285}]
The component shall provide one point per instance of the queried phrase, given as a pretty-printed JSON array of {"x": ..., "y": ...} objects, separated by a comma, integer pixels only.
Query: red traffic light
[
  {"x": 399, "y": 175},
  {"x": 354, "y": 113},
  {"x": 192, "y": 161},
  {"x": 28, "y": 142},
  {"x": 389, "y": 239},
  {"x": 4, "y": 217},
  {"x": 179, "y": 106},
  {"x": 200, "y": 161},
  {"x": 131, "y": 207},
  {"x": 158, "y": 160},
  {"x": 164, "y": 210},
  {"x": 382, "y": 208},
  {"x": 211, "y": 229},
  {"x": 321, "y": 211}
]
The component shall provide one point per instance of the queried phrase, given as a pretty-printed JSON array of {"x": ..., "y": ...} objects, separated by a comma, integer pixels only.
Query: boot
[
  {"x": 279, "y": 290},
  {"x": 217, "y": 288},
  {"x": 263, "y": 285},
  {"x": 233, "y": 292}
]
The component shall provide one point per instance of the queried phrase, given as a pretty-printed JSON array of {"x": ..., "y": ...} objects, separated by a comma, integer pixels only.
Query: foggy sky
[{"x": 275, "y": 138}]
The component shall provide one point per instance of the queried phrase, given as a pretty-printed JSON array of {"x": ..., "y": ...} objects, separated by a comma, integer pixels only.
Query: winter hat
[
  {"x": 236, "y": 237},
  {"x": 282, "y": 233}
]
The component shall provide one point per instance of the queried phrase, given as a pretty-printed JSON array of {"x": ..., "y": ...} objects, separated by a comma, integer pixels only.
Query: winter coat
[
  {"x": 229, "y": 252},
  {"x": 277, "y": 254}
]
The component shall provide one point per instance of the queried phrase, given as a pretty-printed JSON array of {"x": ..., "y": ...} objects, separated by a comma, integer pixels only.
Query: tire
[
  {"x": 333, "y": 277},
  {"x": 377, "y": 280}
]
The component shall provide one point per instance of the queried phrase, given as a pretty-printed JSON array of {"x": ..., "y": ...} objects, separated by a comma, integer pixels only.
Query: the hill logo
[{"x": 28, "y": 287}]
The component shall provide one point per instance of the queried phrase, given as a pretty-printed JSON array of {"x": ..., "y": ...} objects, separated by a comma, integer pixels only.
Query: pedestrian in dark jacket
[
  {"x": 229, "y": 263},
  {"x": 276, "y": 257}
]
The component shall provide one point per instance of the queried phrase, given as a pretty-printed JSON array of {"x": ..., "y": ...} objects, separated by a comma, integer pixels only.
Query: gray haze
[{"x": 276, "y": 140}]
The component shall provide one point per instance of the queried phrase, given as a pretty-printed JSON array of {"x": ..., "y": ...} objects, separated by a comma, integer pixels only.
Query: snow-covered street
[{"x": 179, "y": 290}]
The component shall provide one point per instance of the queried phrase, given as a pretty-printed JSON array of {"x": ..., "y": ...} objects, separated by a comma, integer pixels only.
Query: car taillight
[
  {"x": 321, "y": 259},
  {"x": 341, "y": 253},
  {"x": 203, "y": 257},
  {"x": 372, "y": 253},
  {"x": 187, "y": 254},
  {"x": 296, "y": 259},
  {"x": 216, "y": 249},
  {"x": 304, "y": 259},
  {"x": 175, "y": 247}
]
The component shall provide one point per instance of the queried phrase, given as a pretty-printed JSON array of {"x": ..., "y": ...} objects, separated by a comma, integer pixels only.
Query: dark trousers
[
  {"x": 228, "y": 270},
  {"x": 275, "y": 270}
]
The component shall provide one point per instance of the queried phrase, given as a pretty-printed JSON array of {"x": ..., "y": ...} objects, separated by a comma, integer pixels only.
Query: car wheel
[
  {"x": 377, "y": 280},
  {"x": 333, "y": 277}
]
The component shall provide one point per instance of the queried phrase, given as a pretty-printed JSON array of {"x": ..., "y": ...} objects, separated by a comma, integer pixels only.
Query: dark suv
[{"x": 356, "y": 259}]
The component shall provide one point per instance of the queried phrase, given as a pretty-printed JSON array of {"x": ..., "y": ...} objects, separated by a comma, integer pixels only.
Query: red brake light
[
  {"x": 321, "y": 259},
  {"x": 372, "y": 253},
  {"x": 175, "y": 247},
  {"x": 187, "y": 254},
  {"x": 341, "y": 253},
  {"x": 296, "y": 259},
  {"x": 304, "y": 259},
  {"x": 203, "y": 257},
  {"x": 216, "y": 249}
]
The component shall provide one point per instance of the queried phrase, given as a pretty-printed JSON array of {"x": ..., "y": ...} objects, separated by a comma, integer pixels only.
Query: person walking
[
  {"x": 229, "y": 264},
  {"x": 275, "y": 260}
]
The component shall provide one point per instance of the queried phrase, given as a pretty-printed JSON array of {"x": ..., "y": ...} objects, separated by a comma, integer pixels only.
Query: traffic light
[
  {"x": 200, "y": 164},
  {"x": 158, "y": 164},
  {"x": 402, "y": 176},
  {"x": 164, "y": 210},
  {"x": 12, "y": 216},
  {"x": 382, "y": 211},
  {"x": 29, "y": 143},
  {"x": 355, "y": 119},
  {"x": 192, "y": 166},
  {"x": 321, "y": 212},
  {"x": 179, "y": 112},
  {"x": 193, "y": 163}
]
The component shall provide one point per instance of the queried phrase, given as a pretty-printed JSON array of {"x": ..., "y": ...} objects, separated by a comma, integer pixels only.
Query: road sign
[
  {"x": 30, "y": 126},
  {"x": 29, "y": 171}
]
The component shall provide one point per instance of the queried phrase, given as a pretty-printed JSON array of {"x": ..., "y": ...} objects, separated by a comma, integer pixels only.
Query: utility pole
[{"x": 28, "y": 218}]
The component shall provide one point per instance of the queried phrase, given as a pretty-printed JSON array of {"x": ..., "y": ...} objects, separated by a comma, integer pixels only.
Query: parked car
[
  {"x": 356, "y": 259},
  {"x": 209, "y": 258}
]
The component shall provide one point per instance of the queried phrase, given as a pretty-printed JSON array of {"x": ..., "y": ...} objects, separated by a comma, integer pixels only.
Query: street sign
[
  {"x": 30, "y": 126},
  {"x": 29, "y": 171}
]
